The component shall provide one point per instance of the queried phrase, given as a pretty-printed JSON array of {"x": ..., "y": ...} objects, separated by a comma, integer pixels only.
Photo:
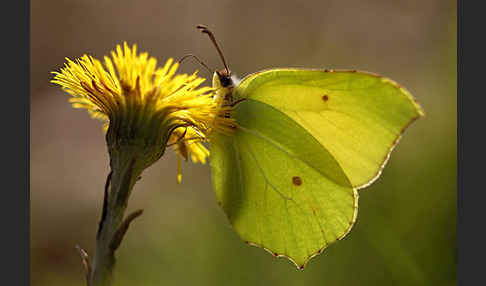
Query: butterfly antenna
[
  {"x": 197, "y": 59},
  {"x": 206, "y": 30}
]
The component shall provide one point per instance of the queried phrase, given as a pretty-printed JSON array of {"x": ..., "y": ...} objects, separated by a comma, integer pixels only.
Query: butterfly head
[
  {"x": 221, "y": 78},
  {"x": 224, "y": 77},
  {"x": 223, "y": 81}
]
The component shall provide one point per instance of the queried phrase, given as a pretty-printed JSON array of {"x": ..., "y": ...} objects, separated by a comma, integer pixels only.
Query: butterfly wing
[
  {"x": 358, "y": 117},
  {"x": 287, "y": 178}
]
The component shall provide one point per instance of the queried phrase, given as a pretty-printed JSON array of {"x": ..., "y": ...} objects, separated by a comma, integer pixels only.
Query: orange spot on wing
[{"x": 296, "y": 180}]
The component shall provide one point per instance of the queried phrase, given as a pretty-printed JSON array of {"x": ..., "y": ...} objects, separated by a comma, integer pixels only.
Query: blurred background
[{"x": 406, "y": 228}]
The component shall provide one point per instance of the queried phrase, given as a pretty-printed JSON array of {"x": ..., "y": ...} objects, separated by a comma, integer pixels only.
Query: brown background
[{"x": 406, "y": 229}]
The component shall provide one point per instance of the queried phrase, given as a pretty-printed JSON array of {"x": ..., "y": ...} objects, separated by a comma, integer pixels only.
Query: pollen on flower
[{"x": 144, "y": 104}]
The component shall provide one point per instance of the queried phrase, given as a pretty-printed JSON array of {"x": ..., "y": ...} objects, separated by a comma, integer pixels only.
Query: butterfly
[{"x": 307, "y": 140}]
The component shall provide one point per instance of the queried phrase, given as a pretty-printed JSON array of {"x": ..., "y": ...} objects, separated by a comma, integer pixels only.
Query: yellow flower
[{"x": 145, "y": 107}]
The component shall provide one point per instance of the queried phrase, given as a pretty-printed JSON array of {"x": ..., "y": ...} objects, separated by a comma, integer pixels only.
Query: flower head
[{"x": 145, "y": 107}]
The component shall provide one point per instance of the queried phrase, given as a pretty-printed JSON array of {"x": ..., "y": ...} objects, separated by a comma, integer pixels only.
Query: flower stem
[{"x": 112, "y": 228}]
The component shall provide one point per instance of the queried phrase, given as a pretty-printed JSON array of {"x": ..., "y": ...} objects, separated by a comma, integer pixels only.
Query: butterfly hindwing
[{"x": 279, "y": 187}]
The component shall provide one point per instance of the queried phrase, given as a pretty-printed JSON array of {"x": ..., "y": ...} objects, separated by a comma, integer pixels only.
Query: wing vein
[
  {"x": 289, "y": 153},
  {"x": 265, "y": 177}
]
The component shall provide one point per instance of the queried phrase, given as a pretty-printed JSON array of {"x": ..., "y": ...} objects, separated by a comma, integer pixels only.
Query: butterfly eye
[
  {"x": 226, "y": 81},
  {"x": 225, "y": 78}
]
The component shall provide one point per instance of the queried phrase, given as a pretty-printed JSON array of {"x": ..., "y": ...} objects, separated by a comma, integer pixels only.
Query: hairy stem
[{"x": 112, "y": 228}]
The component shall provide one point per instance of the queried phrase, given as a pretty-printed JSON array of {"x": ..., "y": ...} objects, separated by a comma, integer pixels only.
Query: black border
[
  {"x": 470, "y": 148},
  {"x": 15, "y": 119}
]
